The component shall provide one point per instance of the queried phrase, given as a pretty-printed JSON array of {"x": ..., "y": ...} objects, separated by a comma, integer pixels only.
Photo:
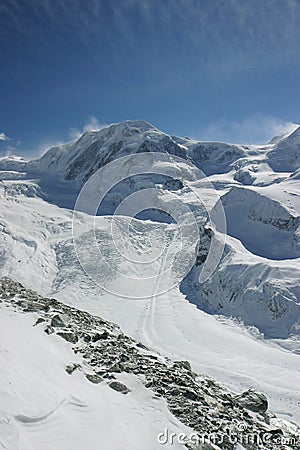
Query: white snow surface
[
  {"x": 241, "y": 326},
  {"x": 41, "y": 406}
]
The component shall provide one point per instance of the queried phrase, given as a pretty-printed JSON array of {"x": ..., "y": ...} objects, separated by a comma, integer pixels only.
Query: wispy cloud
[
  {"x": 91, "y": 125},
  {"x": 74, "y": 133},
  {"x": 4, "y": 137},
  {"x": 11, "y": 147},
  {"x": 215, "y": 35},
  {"x": 256, "y": 129}
]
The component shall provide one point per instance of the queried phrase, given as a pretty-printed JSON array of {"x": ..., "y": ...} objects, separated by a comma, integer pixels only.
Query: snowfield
[
  {"x": 55, "y": 410},
  {"x": 241, "y": 326}
]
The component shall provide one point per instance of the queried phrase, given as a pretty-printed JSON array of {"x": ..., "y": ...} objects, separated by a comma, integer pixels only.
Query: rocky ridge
[{"x": 197, "y": 401}]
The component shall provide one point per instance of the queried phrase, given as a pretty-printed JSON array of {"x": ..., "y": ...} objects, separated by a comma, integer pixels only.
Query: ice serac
[
  {"x": 214, "y": 157},
  {"x": 257, "y": 292},
  {"x": 265, "y": 226}
]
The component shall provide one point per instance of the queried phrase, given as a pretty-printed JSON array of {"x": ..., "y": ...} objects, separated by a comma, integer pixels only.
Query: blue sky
[{"x": 210, "y": 69}]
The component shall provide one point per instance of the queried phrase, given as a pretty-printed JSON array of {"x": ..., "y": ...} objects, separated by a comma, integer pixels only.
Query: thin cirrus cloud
[
  {"x": 218, "y": 37},
  {"x": 168, "y": 62},
  {"x": 256, "y": 129}
]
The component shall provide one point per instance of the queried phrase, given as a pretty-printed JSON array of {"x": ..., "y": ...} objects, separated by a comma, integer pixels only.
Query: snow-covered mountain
[
  {"x": 80, "y": 159},
  {"x": 245, "y": 326},
  {"x": 258, "y": 276},
  {"x": 285, "y": 156}
]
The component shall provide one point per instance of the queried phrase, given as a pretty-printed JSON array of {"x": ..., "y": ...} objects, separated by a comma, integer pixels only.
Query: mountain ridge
[{"x": 261, "y": 206}]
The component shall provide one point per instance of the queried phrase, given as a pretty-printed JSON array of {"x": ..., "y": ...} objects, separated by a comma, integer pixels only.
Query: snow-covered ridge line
[
  {"x": 137, "y": 136},
  {"x": 78, "y": 160},
  {"x": 258, "y": 278},
  {"x": 198, "y": 402}
]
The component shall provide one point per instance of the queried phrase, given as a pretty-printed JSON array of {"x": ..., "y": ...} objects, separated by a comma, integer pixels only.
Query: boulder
[
  {"x": 68, "y": 336},
  {"x": 94, "y": 378},
  {"x": 119, "y": 387},
  {"x": 254, "y": 401},
  {"x": 57, "y": 321},
  {"x": 70, "y": 368},
  {"x": 98, "y": 336}
]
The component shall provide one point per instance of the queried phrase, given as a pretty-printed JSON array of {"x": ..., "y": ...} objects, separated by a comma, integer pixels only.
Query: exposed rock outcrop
[{"x": 197, "y": 401}]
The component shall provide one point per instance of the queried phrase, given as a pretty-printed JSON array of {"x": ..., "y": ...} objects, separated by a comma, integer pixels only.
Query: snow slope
[
  {"x": 169, "y": 323},
  {"x": 245, "y": 329},
  {"x": 285, "y": 156},
  {"x": 55, "y": 410}
]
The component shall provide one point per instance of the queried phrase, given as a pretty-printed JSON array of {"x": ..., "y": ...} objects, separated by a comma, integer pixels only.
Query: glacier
[{"x": 241, "y": 325}]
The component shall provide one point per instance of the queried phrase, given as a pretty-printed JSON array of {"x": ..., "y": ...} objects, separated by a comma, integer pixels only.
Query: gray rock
[
  {"x": 35, "y": 306},
  {"x": 254, "y": 401},
  {"x": 117, "y": 367},
  {"x": 57, "y": 321},
  {"x": 175, "y": 391},
  {"x": 87, "y": 338},
  {"x": 183, "y": 365},
  {"x": 140, "y": 345},
  {"x": 49, "y": 330},
  {"x": 99, "y": 336},
  {"x": 205, "y": 446},
  {"x": 94, "y": 378},
  {"x": 190, "y": 394},
  {"x": 70, "y": 368},
  {"x": 68, "y": 336},
  {"x": 119, "y": 387},
  {"x": 39, "y": 320},
  {"x": 198, "y": 402}
]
